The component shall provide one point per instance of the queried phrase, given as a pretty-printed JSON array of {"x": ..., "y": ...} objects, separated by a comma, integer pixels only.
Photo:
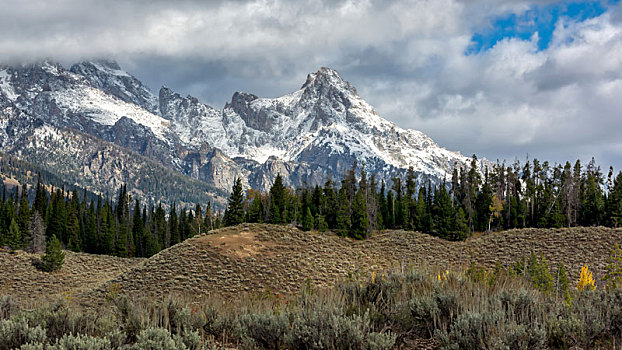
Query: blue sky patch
[{"x": 540, "y": 19}]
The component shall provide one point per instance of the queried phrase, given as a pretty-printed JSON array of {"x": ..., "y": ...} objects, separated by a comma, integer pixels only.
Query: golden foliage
[
  {"x": 496, "y": 206},
  {"x": 443, "y": 276},
  {"x": 586, "y": 280}
]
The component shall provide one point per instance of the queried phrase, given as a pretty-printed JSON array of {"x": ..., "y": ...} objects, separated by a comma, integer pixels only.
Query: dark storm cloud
[{"x": 407, "y": 58}]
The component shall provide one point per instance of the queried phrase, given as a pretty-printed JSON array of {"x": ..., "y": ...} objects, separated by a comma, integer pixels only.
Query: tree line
[
  {"x": 534, "y": 194},
  {"x": 123, "y": 228}
]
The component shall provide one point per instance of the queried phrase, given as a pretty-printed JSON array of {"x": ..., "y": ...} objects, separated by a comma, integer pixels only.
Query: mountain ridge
[{"x": 309, "y": 135}]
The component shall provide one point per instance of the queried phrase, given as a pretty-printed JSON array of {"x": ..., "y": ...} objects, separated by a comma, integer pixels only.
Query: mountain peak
[
  {"x": 327, "y": 77},
  {"x": 108, "y": 67}
]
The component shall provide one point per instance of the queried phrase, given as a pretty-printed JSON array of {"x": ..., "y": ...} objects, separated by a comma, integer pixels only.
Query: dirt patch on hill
[
  {"x": 236, "y": 244},
  {"x": 254, "y": 258}
]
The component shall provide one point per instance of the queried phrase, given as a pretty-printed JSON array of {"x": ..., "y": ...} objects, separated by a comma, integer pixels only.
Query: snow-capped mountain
[{"x": 311, "y": 134}]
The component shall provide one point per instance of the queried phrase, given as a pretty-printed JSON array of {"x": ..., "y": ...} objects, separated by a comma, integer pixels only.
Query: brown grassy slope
[
  {"x": 80, "y": 272},
  {"x": 254, "y": 257}
]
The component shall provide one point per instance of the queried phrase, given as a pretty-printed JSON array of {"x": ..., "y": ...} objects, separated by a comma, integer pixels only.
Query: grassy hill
[
  {"x": 252, "y": 258},
  {"x": 216, "y": 272},
  {"x": 80, "y": 273}
]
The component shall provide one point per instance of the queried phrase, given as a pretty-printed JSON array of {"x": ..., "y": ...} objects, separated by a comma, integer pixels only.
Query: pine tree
[
  {"x": 330, "y": 204},
  {"x": 57, "y": 222},
  {"x": 278, "y": 201},
  {"x": 307, "y": 221},
  {"x": 184, "y": 227},
  {"x": 234, "y": 214},
  {"x": 41, "y": 200},
  {"x": 359, "y": 224},
  {"x": 255, "y": 210},
  {"x": 173, "y": 227},
  {"x": 321, "y": 223},
  {"x": 138, "y": 232},
  {"x": 443, "y": 214},
  {"x": 615, "y": 202},
  {"x": 343, "y": 213},
  {"x": 90, "y": 229},
  {"x": 613, "y": 270},
  {"x": 539, "y": 273},
  {"x": 14, "y": 237},
  {"x": 54, "y": 256},
  {"x": 23, "y": 218}
]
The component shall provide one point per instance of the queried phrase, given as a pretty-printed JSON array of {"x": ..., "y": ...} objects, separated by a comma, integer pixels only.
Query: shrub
[
  {"x": 7, "y": 306},
  {"x": 81, "y": 342},
  {"x": 586, "y": 280},
  {"x": 266, "y": 330},
  {"x": 423, "y": 314},
  {"x": 471, "y": 330},
  {"x": 14, "y": 334},
  {"x": 158, "y": 339},
  {"x": 613, "y": 270}
]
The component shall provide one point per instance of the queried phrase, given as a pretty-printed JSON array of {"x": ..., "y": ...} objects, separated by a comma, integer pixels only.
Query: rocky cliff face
[{"x": 307, "y": 136}]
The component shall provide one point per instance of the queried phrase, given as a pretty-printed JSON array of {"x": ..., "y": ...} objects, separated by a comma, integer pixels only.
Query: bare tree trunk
[{"x": 37, "y": 234}]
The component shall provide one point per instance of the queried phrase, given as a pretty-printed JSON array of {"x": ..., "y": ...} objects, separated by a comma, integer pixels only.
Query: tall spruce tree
[
  {"x": 234, "y": 214},
  {"x": 359, "y": 224}
]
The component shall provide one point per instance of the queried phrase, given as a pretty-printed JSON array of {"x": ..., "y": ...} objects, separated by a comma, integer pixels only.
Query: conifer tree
[
  {"x": 41, "y": 199},
  {"x": 443, "y": 214},
  {"x": 255, "y": 210},
  {"x": 173, "y": 227},
  {"x": 321, "y": 223},
  {"x": 359, "y": 224},
  {"x": 330, "y": 204},
  {"x": 383, "y": 209},
  {"x": 90, "y": 229},
  {"x": 138, "y": 232},
  {"x": 14, "y": 237},
  {"x": 183, "y": 225},
  {"x": 613, "y": 269},
  {"x": 343, "y": 213},
  {"x": 278, "y": 201},
  {"x": 23, "y": 217},
  {"x": 307, "y": 221},
  {"x": 57, "y": 223},
  {"x": 54, "y": 256},
  {"x": 234, "y": 214}
]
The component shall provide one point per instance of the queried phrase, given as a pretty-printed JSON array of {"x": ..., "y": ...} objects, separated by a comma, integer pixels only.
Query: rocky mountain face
[{"x": 307, "y": 136}]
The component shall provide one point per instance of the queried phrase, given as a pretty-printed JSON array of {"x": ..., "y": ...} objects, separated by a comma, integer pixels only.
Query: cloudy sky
[{"x": 500, "y": 78}]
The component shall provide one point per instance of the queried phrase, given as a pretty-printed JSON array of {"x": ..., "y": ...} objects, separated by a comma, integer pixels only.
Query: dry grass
[
  {"x": 80, "y": 273},
  {"x": 255, "y": 258}
]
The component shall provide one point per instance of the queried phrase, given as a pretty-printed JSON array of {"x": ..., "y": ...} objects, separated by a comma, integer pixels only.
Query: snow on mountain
[
  {"x": 328, "y": 116},
  {"x": 110, "y": 78},
  {"x": 5, "y": 85},
  {"x": 105, "y": 109},
  {"x": 317, "y": 131}
]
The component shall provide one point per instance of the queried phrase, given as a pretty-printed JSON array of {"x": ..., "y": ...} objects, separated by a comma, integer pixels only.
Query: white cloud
[{"x": 405, "y": 57}]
